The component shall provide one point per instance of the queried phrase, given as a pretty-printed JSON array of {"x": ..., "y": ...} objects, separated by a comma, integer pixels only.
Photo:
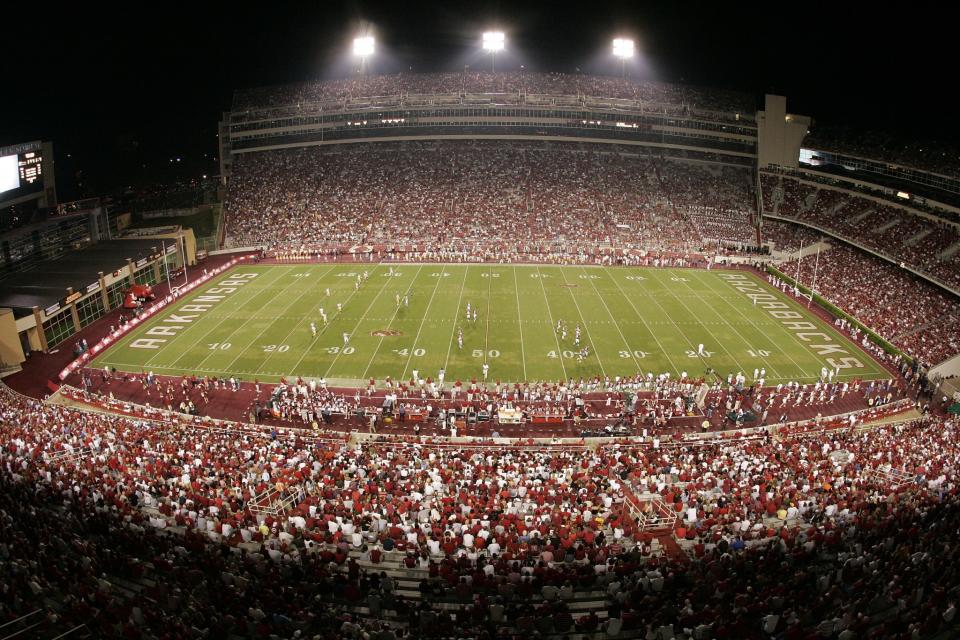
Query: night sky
[{"x": 121, "y": 93}]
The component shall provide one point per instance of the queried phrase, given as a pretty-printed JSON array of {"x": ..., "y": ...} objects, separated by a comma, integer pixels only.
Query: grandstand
[{"x": 749, "y": 441}]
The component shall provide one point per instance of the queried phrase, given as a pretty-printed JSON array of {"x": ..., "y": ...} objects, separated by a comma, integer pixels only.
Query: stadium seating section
[
  {"x": 450, "y": 195},
  {"x": 660, "y": 95},
  {"x": 130, "y": 527},
  {"x": 928, "y": 245}
]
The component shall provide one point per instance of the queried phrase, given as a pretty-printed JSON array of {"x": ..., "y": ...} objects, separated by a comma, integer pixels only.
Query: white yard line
[
  {"x": 295, "y": 323},
  {"x": 786, "y": 352},
  {"x": 875, "y": 368},
  {"x": 363, "y": 316},
  {"x": 423, "y": 321},
  {"x": 486, "y": 335},
  {"x": 239, "y": 327},
  {"x": 516, "y": 290},
  {"x": 644, "y": 321},
  {"x": 585, "y": 329},
  {"x": 693, "y": 315},
  {"x": 553, "y": 326},
  {"x": 724, "y": 320},
  {"x": 456, "y": 315},
  {"x": 256, "y": 338},
  {"x": 243, "y": 301},
  {"x": 326, "y": 326},
  {"x": 389, "y": 324},
  {"x": 615, "y": 323}
]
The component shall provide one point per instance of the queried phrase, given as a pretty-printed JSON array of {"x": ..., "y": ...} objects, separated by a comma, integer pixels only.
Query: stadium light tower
[
  {"x": 623, "y": 49},
  {"x": 363, "y": 47},
  {"x": 494, "y": 41}
]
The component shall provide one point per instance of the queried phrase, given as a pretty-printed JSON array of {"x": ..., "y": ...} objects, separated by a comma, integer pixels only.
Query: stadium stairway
[
  {"x": 860, "y": 216},
  {"x": 406, "y": 593},
  {"x": 950, "y": 251},
  {"x": 671, "y": 548},
  {"x": 917, "y": 237},
  {"x": 150, "y": 587}
]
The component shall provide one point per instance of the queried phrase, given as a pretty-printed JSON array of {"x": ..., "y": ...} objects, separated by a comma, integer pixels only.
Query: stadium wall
[
  {"x": 947, "y": 369},
  {"x": 748, "y": 157},
  {"x": 11, "y": 350}
]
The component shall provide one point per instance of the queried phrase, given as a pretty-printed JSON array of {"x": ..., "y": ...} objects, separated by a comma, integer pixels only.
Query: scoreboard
[
  {"x": 21, "y": 170},
  {"x": 30, "y": 165}
]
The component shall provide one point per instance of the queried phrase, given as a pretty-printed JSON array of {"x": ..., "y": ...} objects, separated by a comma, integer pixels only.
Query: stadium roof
[{"x": 47, "y": 284}]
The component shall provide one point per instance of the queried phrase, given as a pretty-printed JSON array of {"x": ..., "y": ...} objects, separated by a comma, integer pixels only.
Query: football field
[{"x": 254, "y": 322}]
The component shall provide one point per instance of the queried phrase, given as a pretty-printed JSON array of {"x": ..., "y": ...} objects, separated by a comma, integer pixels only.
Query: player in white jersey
[
  {"x": 397, "y": 298},
  {"x": 576, "y": 336},
  {"x": 323, "y": 315},
  {"x": 328, "y": 292},
  {"x": 460, "y": 339},
  {"x": 346, "y": 338},
  {"x": 339, "y": 307},
  {"x": 406, "y": 301},
  {"x": 468, "y": 312},
  {"x": 486, "y": 370},
  {"x": 313, "y": 329},
  {"x": 559, "y": 325},
  {"x": 474, "y": 316},
  {"x": 700, "y": 349}
]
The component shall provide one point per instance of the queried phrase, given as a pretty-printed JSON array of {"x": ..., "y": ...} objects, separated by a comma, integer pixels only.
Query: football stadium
[{"x": 484, "y": 349}]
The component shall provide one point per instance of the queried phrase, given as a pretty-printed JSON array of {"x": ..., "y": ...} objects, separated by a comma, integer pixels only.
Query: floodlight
[
  {"x": 623, "y": 48},
  {"x": 363, "y": 46},
  {"x": 494, "y": 41}
]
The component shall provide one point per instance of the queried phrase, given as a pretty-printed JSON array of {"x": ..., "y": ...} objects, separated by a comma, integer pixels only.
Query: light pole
[
  {"x": 623, "y": 49},
  {"x": 494, "y": 41}
]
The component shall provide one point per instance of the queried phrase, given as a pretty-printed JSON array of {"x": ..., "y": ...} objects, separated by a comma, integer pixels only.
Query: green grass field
[{"x": 254, "y": 322}]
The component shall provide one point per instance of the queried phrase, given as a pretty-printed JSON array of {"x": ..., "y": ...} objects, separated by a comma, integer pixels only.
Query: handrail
[
  {"x": 22, "y": 631},
  {"x": 66, "y": 633},
  {"x": 24, "y": 616}
]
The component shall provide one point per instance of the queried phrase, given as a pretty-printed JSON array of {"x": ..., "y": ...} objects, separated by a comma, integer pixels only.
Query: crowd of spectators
[
  {"x": 471, "y": 81},
  {"x": 926, "y": 245},
  {"x": 450, "y": 195},
  {"x": 916, "y": 316},
  {"x": 788, "y": 237},
  {"x": 887, "y": 146},
  {"x": 661, "y": 404},
  {"x": 855, "y": 521}
]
